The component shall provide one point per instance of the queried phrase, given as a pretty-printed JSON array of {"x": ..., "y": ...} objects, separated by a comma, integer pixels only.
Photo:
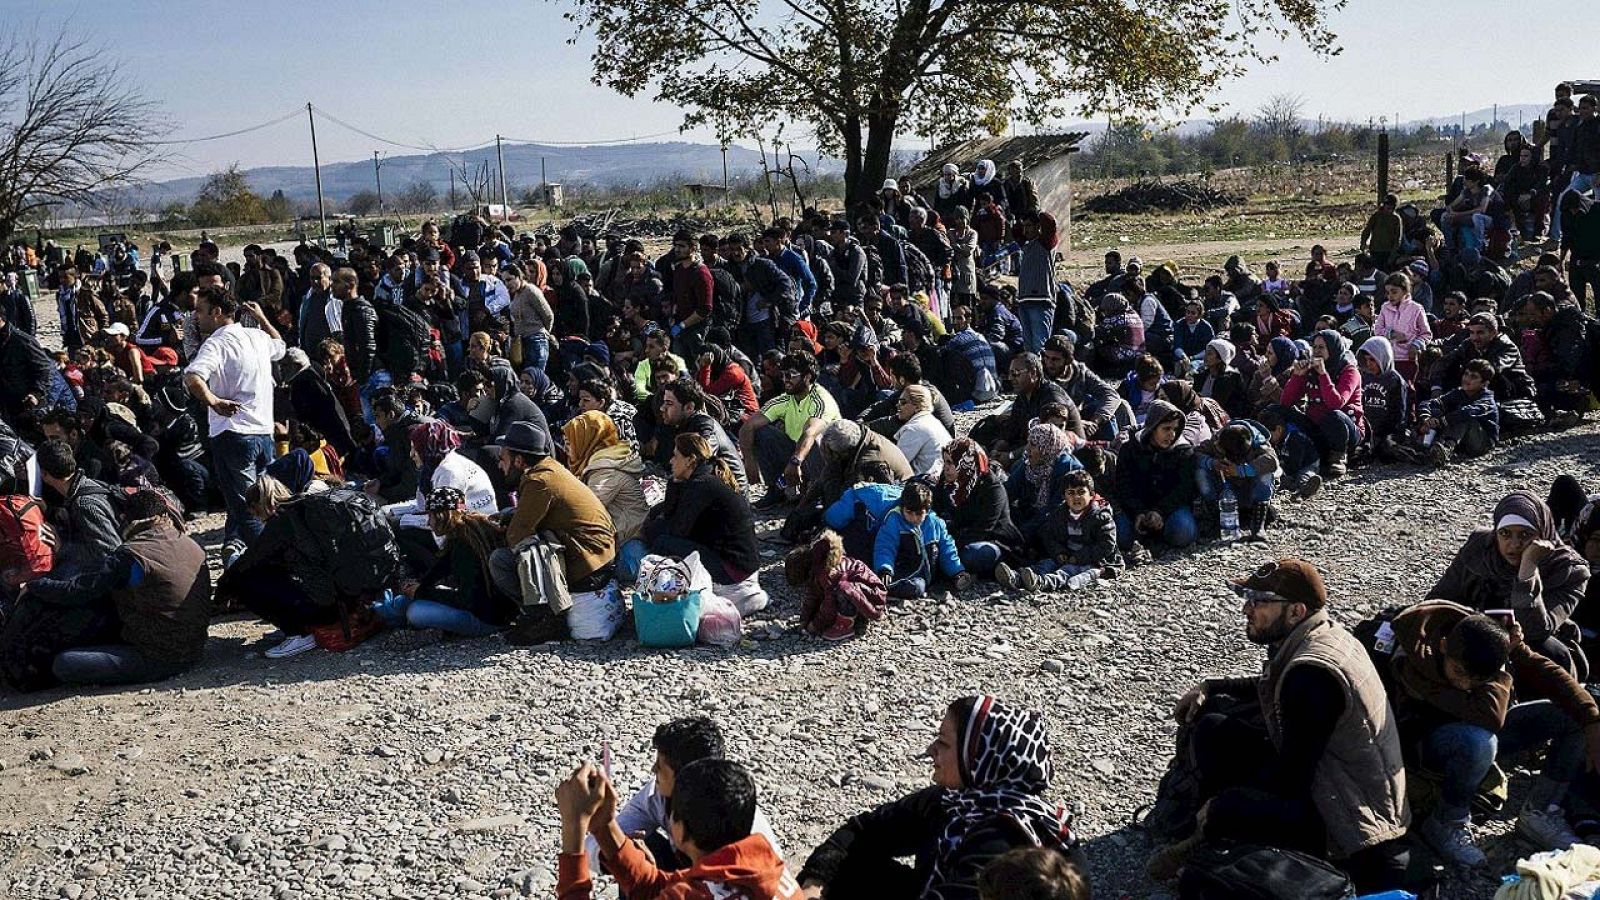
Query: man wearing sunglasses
[
  {"x": 777, "y": 440},
  {"x": 1307, "y": 755}
]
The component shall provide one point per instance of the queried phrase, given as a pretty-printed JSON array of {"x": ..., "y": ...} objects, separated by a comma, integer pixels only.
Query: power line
[
  {"x": 383, "y": 140},
  {"x": 227, "y": 134},
  {"x": 626, "y": 140}
]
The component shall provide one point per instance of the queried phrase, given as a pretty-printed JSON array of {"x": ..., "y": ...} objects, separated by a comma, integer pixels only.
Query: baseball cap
[
  {"x": 117, "y": 328},
  {"x": 1294, "y": 580}
]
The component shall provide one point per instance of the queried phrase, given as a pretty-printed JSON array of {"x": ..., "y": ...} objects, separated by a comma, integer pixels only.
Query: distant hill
[{"x": 614, "y": 165}]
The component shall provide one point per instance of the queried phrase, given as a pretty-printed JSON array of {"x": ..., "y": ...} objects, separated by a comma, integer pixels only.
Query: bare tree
[
  {"x": 70, "y": 126},
  {"x": 1280, "y": 116}
]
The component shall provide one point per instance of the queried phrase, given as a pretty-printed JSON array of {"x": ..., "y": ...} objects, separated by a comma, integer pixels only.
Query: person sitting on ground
[
  {"x": 1326, "y": 775},
  {"x": 906, "y": 370},
  {"x": 1462, "y": 423},
  {"x": 435, "y": 450},
  {"x": 1142, "y": 386},
  {"x": 685, "y": 409},
  {"x": 82, "y": 510},
  {"x": 721, "y": 377},
  {"x": 1118, "y": 337},
  {"x": 1521, "y": 564},
  {"x": 1466, "y": 691},
  {"x": 550, "y": 499},
  {"x": 598, "y": 395},
  {"x": 1266, "y": 385},
  {"x": 1099, "y": 407},
  {"x": 1558, "y": 367},
  {"x": 1192, "y": 333},
  {"x": 842, "y": 592},
  {"x": 971, "y": 499},
  {"x": 1078, "y": 540},
  {"x": 1034, "y": 487},
  {"x": 1330, "y": 383},
  {"x": 677, "y": 744},
  {"x": 458, "y": 593},
  {"x": 861, "y": 509},
  {"x": 157, "y": 589},
  {"x": 1032, "y": 873},
  {"x": 1386, "y": 402},
  {"x": 1155, "y": 485},
  {"x": 397, "y": 480},
  {"x": 704, "y": 512},
  {"x": 921, "y": 436},
  {"x": 610, "y": 467},
  {"x": 1486, "y": 341},
  {"x": 970, "y": 365},
  {"x": 991, "y": 771},
  {"x": 1404, "y": 322},
  {"x": 1298, "y": 459},
  {"x": 712, "y": 821},
  {"x": 502, "y": 404},
  {"x": 777, "y": 440},
  {"x": 1006, "y": 433},
  {"x": 1219, "y": 380},
  {"x": 839, "y": 454},
  {"x": 913, "y": 547},
  {"x": 1241, "y": 458}
]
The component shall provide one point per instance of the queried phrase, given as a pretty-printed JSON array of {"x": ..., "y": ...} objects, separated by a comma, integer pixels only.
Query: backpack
[
  {"x": 355, "y": 532},
  {"x": 403, "y": 339},
  {"x": 1171, "y": 816},
  {"x": 1254, "y": 872},
  {"x": 26, "y": 539},
  {"x": 14, "y": 455}
]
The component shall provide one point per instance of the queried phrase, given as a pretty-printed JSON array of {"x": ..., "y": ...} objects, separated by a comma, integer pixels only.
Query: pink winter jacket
[
  {"x": 1326, "y": 394},
  {"x": 1401, "y": 325}
]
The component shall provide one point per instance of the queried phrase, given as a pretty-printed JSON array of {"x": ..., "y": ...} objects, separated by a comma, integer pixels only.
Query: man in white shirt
[{"x": 231, "y": 374}]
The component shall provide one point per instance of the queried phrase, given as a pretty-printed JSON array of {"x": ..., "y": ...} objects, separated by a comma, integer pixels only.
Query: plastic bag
[
  {"x": 596, "y": 615},
  {"x": 746, "y": 596},
  {"x": 720, "y": 622}
]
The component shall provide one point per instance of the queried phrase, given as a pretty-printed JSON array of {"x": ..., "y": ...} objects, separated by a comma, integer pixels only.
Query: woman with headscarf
[
  {"x": 952, "y": 191},
  {"x": 597, "y": 395},
  {"x": 1330, "y": 384},
  {"x": 434, "y": 448},
  {"x": 570, "y": 304},
  {"x": 297, "y": 472},
  {"x": 1155, "y": 486},
  {"x": 546, "y": 394},
  {"x": 1272, "y": 320},
  {"x": 505, "y": 405},
  {"x": 1118, "y": 337},
  {"x": 1266, "y": 386},
  {"x": 921, "y": 436},
  {"x": 1220, "y": 381},
  {"x": 991, "y": 771},
  {"x": 1521, "y": 564},
  {"x": 457, "y": 593},
  {"x": 971, "y": 499},
  {"x": 610, "y": 467},
  {"x": 1035, "y": 485}
]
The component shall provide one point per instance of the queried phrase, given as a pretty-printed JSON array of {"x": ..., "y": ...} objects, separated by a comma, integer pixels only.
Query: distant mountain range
[{"x": 611, "y": 166}]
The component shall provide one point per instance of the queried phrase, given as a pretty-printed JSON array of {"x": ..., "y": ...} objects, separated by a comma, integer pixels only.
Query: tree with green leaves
[
  {"x": 859, "y": 72},
  {"x": 226, "y": 199}
]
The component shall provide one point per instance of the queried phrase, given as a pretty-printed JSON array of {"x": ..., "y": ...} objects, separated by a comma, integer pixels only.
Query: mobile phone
[
  {"x": 1505, "y": 617},
  {"x": 605, "y": 758}
]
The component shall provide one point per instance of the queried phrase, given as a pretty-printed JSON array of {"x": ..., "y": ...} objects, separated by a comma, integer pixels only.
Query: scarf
[
  {"x": 984, "y": 173},
  {"x": 1526, "y": 506},
  {"x": 1047, "y": 442},
  {"x": 294, "y": 469},
  {"x": 587, "y": 434},
  {"x": 433, "y": 441},
  {"x": 1181, "y": 395},
  {"x": 1004, "y": 755},
  {"x": 1284, "y": 353},
  {"x": 1339, "y": 354},
  {"x": 969, "y": 462},
  {"x": 1379, "y": 348},
  {"x": 809, "y": 331}
]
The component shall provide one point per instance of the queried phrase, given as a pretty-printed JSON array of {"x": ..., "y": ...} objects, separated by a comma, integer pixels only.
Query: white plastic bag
[
  {"x": 596, "y": 615},
  {"x": 720, "y": 622},
  {"x": 746, "y": 596}
]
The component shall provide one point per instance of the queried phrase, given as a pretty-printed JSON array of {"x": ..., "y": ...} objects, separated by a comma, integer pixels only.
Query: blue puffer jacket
[
  {"x": 931, "y": 535},
  {"x": 875, "y": 500}
]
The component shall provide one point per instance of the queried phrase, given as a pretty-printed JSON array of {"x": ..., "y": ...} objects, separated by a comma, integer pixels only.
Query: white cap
[
  {"x": 117, "y": 328},
  {"x": 889, "y": 184}
]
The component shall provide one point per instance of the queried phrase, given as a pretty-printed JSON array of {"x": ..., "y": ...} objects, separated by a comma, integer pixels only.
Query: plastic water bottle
[
  {"x": 1082, "y": 580},
  {"x": 1229, "y": 509}
]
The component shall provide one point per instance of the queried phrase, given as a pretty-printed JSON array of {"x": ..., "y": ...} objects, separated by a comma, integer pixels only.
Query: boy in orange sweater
[{"x": 713, "y": 810}]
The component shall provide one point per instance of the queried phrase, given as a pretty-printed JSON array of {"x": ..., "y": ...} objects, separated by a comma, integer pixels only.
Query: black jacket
[
  {"x": 1150, "y": 479},
  {"x": 312, "y": 401},
  {"x": 18, "y": 310},
  {"x": 1511, "y": 380},
  {"x": 1096, "y": 397},
  {"x": 87, "y": 517},
  {"x": 705, "y": 510},
  {"x": 24, "y": 369},
  {"x": 359, "y": 320},
  {"x": 986, "y": 516}
]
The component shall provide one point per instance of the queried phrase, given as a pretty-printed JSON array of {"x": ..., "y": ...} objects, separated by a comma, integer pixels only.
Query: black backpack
[
  {"x": 1254, "y": 872},
  {"x": 354, "y": 531},
  {"x": 403, "y": 338}
]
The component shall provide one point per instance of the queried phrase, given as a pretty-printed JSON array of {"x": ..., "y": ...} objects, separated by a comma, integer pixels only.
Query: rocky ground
[{"x": 415, "y": 767}]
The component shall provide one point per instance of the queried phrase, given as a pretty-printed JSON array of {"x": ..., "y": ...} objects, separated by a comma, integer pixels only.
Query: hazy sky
[{"x": 453, "y": 73}]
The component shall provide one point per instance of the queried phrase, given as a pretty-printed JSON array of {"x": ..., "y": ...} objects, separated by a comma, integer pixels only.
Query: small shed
[
  {"x": 551, "y": 195},
  {"x": 706, "y": 196},
  {"x": 1046, "y": 160}
]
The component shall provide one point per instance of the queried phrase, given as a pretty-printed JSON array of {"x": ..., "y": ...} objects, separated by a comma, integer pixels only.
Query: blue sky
[{"x": 456, "y": 72}]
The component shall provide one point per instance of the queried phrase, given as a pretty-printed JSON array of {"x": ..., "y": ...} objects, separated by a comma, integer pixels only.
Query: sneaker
[
  {"x": 1028, "y": 579},
  {"x": 1547, "y": 828},
  {"x": 293, "y": 646},
  {"x": 1082, "y": 580},
  {"x": 1439, "y": 454},
  {"x": 1336, "y": 467},
  {"x": 1006, "y": 575},
  {"x": 842, "y": 629},
  {"x": 1312, "y": 485},
  {"x": 1450, "y": 842}
]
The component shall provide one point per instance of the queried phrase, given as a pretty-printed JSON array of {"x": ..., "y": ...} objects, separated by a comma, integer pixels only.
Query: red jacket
[{"x": 747, "y": 869}]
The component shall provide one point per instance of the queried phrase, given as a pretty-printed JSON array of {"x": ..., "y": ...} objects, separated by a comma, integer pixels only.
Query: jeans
[
  {"x": 1053, "y": 575},
  {"x": 773, "y": 448},
  {"x": 377, "y": 381},
  {"x": 455, "y": 357},
  {"x": 503, "y": 571},
  {"x": 1249, "y": 491},
  {"x": 1462, "y": 753},
  {"x": 629, "y": 556},
  {"x": 535, "y": 351},
  {"x": 238, "y": 460},
  {"x": 111, "y": 664},
  {"x": 1466, "y": 439},
  {"x": 1037, "y": 317},
  {"x": 433, "y": 614},
  {"x": 1178, "y": 529},
  {"x": 980, "y": 557},
  {"x": 1339, "y": 433},
  {"x": 1579, "y": 182}
]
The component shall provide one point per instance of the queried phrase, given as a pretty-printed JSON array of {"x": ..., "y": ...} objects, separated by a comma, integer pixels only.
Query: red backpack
[{"x": 27, "y": 542}]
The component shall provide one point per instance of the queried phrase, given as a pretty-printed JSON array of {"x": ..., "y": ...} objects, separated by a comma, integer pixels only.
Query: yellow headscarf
[{"x": 586, "y": 434}]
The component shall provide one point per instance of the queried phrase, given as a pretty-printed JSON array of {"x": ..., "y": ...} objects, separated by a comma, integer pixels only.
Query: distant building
[{"x": 1046, "y": 160}]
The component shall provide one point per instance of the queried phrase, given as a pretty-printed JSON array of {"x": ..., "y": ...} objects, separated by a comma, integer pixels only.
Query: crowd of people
[{"x": 470, "y": 429}]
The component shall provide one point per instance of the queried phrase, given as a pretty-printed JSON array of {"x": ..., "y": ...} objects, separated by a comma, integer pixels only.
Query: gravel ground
[{"x": 424, "y": 768}]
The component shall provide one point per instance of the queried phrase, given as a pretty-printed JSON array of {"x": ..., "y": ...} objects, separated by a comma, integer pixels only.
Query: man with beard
[{"x": 1312, "y": 762}]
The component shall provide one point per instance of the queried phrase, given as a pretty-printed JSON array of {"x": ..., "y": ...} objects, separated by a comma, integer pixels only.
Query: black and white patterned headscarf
[{"x": 1004, "y": 756}]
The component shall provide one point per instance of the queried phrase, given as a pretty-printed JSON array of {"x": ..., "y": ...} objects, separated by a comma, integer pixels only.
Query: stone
[
  {"x": 335, "y": 842},
  {"x": 432, "y": 756},
  {"x": 386, "y": 751},
  {"x": 70, "y": 764},
  {"x": 489, "y": 823},
  {"x": 878, "y": 782},
  {"x": 1052, "y": 666}
]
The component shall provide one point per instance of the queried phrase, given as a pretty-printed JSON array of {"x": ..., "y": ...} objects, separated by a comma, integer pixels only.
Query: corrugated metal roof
[{"x": 1030, "y": 149}]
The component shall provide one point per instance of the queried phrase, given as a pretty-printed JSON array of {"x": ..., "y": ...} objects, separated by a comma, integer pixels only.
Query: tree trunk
[
  {"x": 875, "y": 158},
  {"x": 852, "y": 163}
]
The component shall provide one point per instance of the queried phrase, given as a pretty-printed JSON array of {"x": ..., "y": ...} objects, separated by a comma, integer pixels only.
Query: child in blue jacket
[{"x": 911, "y": 543}]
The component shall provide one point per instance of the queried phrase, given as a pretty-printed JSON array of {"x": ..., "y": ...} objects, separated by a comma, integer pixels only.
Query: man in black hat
[{"x": 1305, "y": 756}]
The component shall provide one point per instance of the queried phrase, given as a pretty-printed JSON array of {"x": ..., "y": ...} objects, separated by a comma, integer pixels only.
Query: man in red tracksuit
[
  {"x": 692, "y": 291},
  {"x": 713, "y": 809}
]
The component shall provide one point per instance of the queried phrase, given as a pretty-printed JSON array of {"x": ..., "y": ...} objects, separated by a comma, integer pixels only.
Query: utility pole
[
  {"x": 724, "y": 169},
  {"x": 505, "y": 209},
  {"x": 377, "y": 174},
  {"x": 316, "y": 166}
]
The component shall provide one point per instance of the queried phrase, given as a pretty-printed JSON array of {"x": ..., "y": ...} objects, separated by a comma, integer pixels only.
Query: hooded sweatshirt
[
  {"x": 747, "y": 869},
  {"x": 1385, "y": 397},
  {"x": 1149, "y": 478}
]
